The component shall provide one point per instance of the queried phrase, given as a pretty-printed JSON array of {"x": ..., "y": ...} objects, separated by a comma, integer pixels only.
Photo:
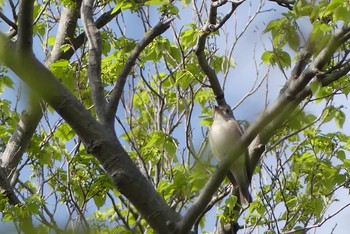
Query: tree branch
[
  {"x": 296, "y": 88},
  {"x": 79, "y": 40},
  {"x": 30, "y": 117},
  {"x": 24, "y": 44},
  {"x": 208, "y": 28},
  {"x": 6, "y": 189},
  {"x": 118, "y": 88},
  {"x": 25, "y": 25},
  {"x": 94, "y": 70},
  {"x": 64, "y": 35},
  {"x": 98, "y": 140},
  {"x": 8, "y": 21},
  {"x": 285, "y": 3},
  {"x": 267, "y": 123}
]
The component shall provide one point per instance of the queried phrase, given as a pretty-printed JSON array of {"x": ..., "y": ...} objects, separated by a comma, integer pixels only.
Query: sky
[{"x": 240, "y": 80}]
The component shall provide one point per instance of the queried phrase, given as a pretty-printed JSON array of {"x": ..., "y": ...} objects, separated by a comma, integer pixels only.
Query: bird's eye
[{"x": 227, "y": 110}]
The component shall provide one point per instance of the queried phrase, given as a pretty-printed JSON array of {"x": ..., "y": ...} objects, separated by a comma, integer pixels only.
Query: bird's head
[{"x": 223, "y": 111}]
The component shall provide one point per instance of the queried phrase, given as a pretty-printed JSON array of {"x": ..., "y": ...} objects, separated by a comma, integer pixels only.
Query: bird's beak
[{"x": 217, "y": 109}]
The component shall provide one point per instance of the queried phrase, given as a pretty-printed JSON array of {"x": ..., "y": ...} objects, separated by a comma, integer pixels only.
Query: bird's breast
[{"x": 222, "y": 138}]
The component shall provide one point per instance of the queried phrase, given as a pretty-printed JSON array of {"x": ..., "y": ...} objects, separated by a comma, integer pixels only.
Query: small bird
[{"x": 222, "y": 135}]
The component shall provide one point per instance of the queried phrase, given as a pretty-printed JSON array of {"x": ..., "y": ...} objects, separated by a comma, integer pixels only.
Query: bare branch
[
  {"x": 8, "y": 21},
  {"x": 200, "y": 46},
  {"x": 94, "y": 70},
  {"x": 319, "y": 224}
]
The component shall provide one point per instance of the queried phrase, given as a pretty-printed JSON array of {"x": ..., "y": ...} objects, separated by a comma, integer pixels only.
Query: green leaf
[
  {"x": 198, "y": 178},
  {"x": 51, "y": 40},
  {"x": 39, "y": 28},
  {"x": 328, "y": 114},
  {"x": 169, "y": 9},
  {"x": 333, "y": 5},
  {"x": 65, "y": 47},
  {"x": 155, "y": 139},
  {"x": 171, "y": 146},
  {"x": 279, "y": 57},
  {"x": 4, "y": 132},
  {"x": 64, "y": 132},
  {"x": 185, "y": 2},
  {"x": 7, "y": 217},
  {"x": 60, "y": 63},
  {"x": 188, "y": 37},
  {"x": 33, "y": 208},
  {"x": 268, "y": 57},
  {"x": 284, "y": 59},
  {"x": 315, "y": 87},
  {"x": 175, "y": 53},
  {"x": 106, "y": 44},
  {"x": 203, "y": 95},
  {"x": 6, "y": 81},
  {"x": 99, "y": 200},
  {"x": 122, "y": 6},
  {"x": 44, "y": 158},
  {"x": 184, "y": 78},
  {"x": 339, "y": 118},
  {"x": 293, "y": 41},
  {"x": 342, "y": 13},
  {"x": 273, "y": 25},
  {"x": 206, "y": 121},
  {"x": 303, "y": 8},
  {"x": 156, "y": 2}
]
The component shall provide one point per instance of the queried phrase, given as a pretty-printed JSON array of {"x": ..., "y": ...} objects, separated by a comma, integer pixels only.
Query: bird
[{"x": 223, "y": 134}]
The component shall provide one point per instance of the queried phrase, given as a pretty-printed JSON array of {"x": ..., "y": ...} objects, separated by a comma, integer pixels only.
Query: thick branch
[
  {"x": 25, "y": 25},
  {"x": 6, "y": 189},
  {"x": 99, "y": 140},
  {"x": 24, "y": 43},
  {"x": 64, "y": 34},
  {"x": 298, "y": 83},
  {"x": 94, "y": 70},
  {"x": 28, "y": 122},
  {"x": 303, "y": 76},
  {"x": 30, "y": 117},
  {"x": 118, "y": 88}
]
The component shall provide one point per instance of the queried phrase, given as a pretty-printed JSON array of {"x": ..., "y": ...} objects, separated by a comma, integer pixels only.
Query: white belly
[{"x": 222, "y": 138}]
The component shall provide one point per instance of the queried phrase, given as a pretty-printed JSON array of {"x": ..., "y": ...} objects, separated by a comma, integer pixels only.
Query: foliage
[{"x": 164, "y": 114}]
